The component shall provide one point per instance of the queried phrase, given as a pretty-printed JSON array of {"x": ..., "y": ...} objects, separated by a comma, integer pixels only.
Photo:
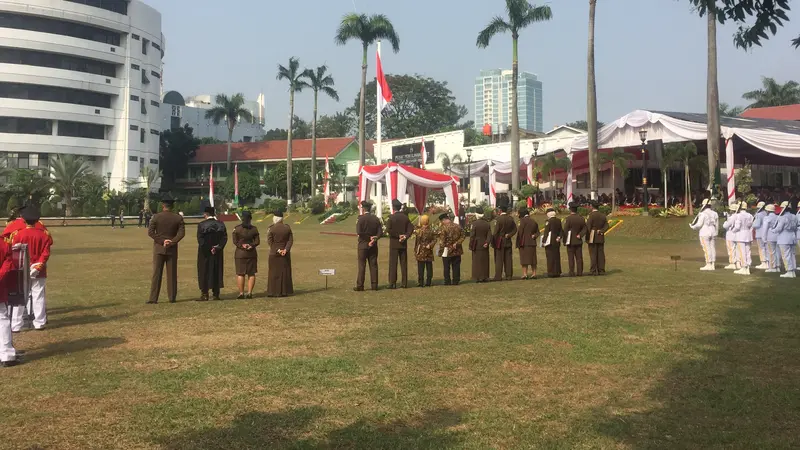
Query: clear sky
[{"x": 650, "y": 54}]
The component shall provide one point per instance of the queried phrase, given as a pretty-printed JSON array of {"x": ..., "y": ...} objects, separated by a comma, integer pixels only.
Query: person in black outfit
[{"x": 211, "y": 239}]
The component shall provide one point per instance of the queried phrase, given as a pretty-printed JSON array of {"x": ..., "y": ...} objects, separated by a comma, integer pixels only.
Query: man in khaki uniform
[
  {"x": 369, "y": 230},
  {"x": 399, "y": 229},
  {"x": 596, "y": 227},
  {"x": 166, "y": 230},
  {"x": 571, "y": 236},
  {"x": 450, "y": 249},
  {"x": 479, "y": 242},
  {"x": 504, "y": 231}
]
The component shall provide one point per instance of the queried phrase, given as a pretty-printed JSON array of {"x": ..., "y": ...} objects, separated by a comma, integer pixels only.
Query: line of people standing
[{"x": 447, "y": 243}]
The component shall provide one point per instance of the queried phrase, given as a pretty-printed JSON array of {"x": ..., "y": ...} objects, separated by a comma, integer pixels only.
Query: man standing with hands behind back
[
  {"x": 596, "y": 227},
  {"x": 369, "y": 230},
  {"x": 166, "y": 230},
  {"x": 505, "y": 229},
  {"x": 400, "y": 230}
]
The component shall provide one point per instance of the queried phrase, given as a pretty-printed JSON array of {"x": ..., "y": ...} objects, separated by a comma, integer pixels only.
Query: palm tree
[
  {"x": 551, "y": 164},
  {"x": 591, "y": 105},
  {"x": 669, "y": 157},
  {"x": 150, "y": 176},
  {"x": 773, "y": 93},
  {"x": 520, "y": 15},
  {"x": 367, "y": 30},
  {"x": 726, "y": 110},
  {"x": 320, "y": 81},
  {"x": 618, "y": 159},
  {"x": 67, "y": 171},
  {"x": 685, "y": 152},
  {"x": 448, "y": 162},
  {"x": 297, "y": 83},
  {"x": 713, "y": 131},
  {"x": 232, "y": 111}
]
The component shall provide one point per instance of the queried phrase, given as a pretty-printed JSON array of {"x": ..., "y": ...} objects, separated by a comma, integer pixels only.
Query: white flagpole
[{"x": 378, "y": 153}]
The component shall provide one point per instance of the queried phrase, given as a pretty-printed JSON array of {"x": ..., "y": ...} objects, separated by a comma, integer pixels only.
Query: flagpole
[{"x": 378, "y": 152}]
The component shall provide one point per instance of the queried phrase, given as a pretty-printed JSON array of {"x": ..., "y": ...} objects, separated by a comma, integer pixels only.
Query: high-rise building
[
  {"x": 493, "y": 101},
  {"x": 177, "y": 112},
  {"x": 81, "y": 77}
]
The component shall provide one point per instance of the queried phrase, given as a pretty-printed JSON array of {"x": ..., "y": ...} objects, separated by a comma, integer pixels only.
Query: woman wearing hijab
[
  {"x": 551, "y": 241},
  {"x": 527, "y": 234},
  {"x": 280, "y": 239},
  {"x": 423, "y": 251},
  {"x": 246, "y": 239}
]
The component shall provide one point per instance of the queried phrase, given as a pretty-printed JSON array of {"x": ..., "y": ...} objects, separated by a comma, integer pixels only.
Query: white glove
[
  {"x": 16, "y": 246},
  {"x": 34, "y": 273}
]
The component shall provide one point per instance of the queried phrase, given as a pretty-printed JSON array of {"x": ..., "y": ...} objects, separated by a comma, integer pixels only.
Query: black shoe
[
  {"x": 216, "y": 297},
  {"x": 358, "y": 289},
  {"x": 240, "y": 297},
  {"x": 375, "y": 288},
  {"x": 151, "y": 302},
  {"x": 392, "y": 286},
  {"x": 447, "y": 283},
  {"x": 203, "y": 298},
  {"x": 173, "y": 301},
  {"x": 9, "y": 363},
  {"x": 455, "y": 283},
  {"x": 420, "y": 285},
  {"x": 248, "y": 295}
]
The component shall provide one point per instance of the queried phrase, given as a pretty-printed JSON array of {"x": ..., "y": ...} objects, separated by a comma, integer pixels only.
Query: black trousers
[
  {"x": 400, "y": 254},
  {"x": 597, "y": 256},
  {"x": 369, "y": 255},
  {"x": 424, "y": 272},
  {"x": 453, "y": 264}
]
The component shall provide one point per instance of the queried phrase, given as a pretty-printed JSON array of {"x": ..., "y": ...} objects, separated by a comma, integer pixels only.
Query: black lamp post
[
  {"x": 108, "y": 188},
  {"x": 469, "y": 177},
  {"x": 202, "y": 184},
  {"x": 646, "y": 200},
  {"x": 535, "y": 176}
]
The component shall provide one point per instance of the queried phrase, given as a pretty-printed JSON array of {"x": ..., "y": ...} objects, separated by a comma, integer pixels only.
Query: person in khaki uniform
[
  {"x": 399, "y": 229},
  {"x": 166, "y": 230},
  {"x": 423, "y": 251},
  {"x": 369, "y": 230},
  {"x": 505, "y": 229},
  {"x": 480, "y": 237},
  {"x": 551, "y": 241},
  {"x": 596, "y": 228},
  {"x": 571, "y": 236},
  {"x": 526, "y": 243},
  {"x": 450, "y": 249}
]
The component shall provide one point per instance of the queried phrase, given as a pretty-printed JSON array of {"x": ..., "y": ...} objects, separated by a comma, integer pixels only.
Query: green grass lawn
[{"x": 647, "y": 357}]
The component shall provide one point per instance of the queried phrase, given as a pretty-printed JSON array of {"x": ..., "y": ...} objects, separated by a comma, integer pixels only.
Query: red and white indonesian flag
[
  {"x": 424, "y": 155},
  {"x": 384, "y": 93},
  {"x": 327, "y": 181},
  {"x": 211, "y": 185}
]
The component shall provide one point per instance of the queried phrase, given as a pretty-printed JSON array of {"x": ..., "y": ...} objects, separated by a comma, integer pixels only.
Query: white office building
[
  {"x": 81, "y": 77},
  {"x": 179, "y": 111},
  {"x": 493, "y": 101}
]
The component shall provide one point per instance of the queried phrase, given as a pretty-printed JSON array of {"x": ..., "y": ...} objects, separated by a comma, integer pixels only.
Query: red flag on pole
[
  {"x": 424, "y": 156},
  {"x": 384, "y": 93},
  {"x": 327, "y": 181},
  {"x": 211, "y": 185},
  {"x": 236, "y": 185}
]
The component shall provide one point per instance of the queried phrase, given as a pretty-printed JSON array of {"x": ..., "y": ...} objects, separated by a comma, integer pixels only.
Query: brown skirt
[
  {"x": 246, "y": 266},
  {"x": 527, "y": 256}
]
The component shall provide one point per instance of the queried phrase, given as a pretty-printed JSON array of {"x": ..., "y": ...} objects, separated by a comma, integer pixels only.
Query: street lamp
[
  {"x": 108, "y": 188},
  {"x": 643, "y": 137},
  {"x": 202, "y": 184},
  {"x": 469, "y": 175},
  {"x": 535, "y": 176}
]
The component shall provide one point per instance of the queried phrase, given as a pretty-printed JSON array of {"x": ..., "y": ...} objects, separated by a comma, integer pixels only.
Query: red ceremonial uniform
[
  {"x": 39, "y": 242},
  {"x": 19, "y": 224},
  {"x": 6, "y": 265}
]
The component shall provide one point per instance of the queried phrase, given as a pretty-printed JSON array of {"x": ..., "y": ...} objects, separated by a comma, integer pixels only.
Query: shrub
[
  {"x": 193, "y": 207},
  {"x": 12, "y": 203},
  {"x": 584, "y": 211},
  {"x": 317, "y": 204},
  {"x": 49, "y": 210},
  {"x": 656, "y": 212},
  {"x": 605, "y": 209},
  {"x": 276, "y": 204}
]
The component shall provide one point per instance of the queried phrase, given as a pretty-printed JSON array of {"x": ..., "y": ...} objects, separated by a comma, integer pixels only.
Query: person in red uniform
[
  {"x": 39, "y": 243},
  {"x": 8, "y": 355},
  {"x": 18, "y": 224}
]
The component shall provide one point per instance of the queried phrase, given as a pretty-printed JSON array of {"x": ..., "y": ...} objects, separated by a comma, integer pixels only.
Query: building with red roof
[{"x": 787, "y": 112}]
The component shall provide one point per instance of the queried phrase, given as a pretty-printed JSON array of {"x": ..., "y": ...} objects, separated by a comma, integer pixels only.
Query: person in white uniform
[
  {"x": 730, "y": 243},
  {"x": 786, "y": 227},
  {"x": 707, "y": 223},
  {"x": 761, "y": 240},
  {"x": 771, "y": 236},
  {"x": 743, "y": 238}
]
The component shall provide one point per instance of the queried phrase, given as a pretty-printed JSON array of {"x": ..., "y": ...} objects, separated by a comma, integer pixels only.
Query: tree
[
  {"x": 275, "y": 134},
  {"x": 231, "y": 110},
  {"x": 67, "y": 170},
  {"x": 176, "y": 148},
  {"x": 419, "y": 106},
  {"x": 684, "y": 152},
  {"x": 448, "y": 162},
  {"x": 367, "y": 30},
  {"x": 619, "y": 161},
  {"x": 28, "y": 185},
  {"x": 320, "y": 81},
  {"x": 551, "y": 164},
  {"x": 773, "y": 93},
  {"x": 338, "y": 125},
  {"x": 89, "y": 192},
  {"x": 520, "y": 15},
  {"x": 300, "y": 130},
  {"x": 249, "y": 187},
  {"x": 297, "y": 82},
  {"x": 151, "y": 177},
  {"x": 726, "y": 110},
  {"x": 209, "y": 141},
  {"x": 591, "y": 105},
  {"x": 584, "y": 125},
  {"x": 669, "y": 156}
]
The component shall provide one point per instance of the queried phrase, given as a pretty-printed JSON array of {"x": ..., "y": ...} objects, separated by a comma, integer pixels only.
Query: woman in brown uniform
[
  {"x": 423, "y": 251},
  {"x": 246, "y": 239},
  {"x": 527, "y": 234},
  {"x": 280, "y": 239},
  {"x": 552, "y": 243}
]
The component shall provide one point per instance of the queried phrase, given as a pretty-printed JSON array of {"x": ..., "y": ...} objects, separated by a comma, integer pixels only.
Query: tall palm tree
[
  {"x": 67, "y": 171},
  {"x": 591, "y": 105},
  {"x": 232, "y": 111},
  {"x": 367, "y": 30},
  {"x": 713, "y": 131},
  {"x": 726, "y": 110},
  {"x": 297, "y": 83},
  {"x": 448, "y": 162},
  {"x": 773, "y": 93},
  {"x": 520, "y": 15},
  {"x": 551, "y": 164},
  {"x": 320, "y": 81},
  {"x": 685, "y": 152},
  {"x": 618, "y": 159}
]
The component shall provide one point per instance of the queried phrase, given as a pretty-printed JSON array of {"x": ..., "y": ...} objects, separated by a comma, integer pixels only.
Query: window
[
  {"x": 177, "y": 111},
  {"x": 81, "y": 130},
  {"x": 134, "y": 98},
  {"x": 54, "y": 61},
  {"x": 156, "y": 46},
  {"x": 135, "y": 66},
  {"x": 156, "y": 132},
  {"x": 155, "y": 103},
  {"x": 153, "y": 161},
  {"x": 135, "y": 37},
  {"x": 141, "y": 135},
  {"x": 134, "y": 127},
  {"x": 145, "y": 80},
  {"x": 144, "y": 108},
  {"x": 117, "y": 6},
  {"x": 174, "y": 123},
  {"x": 133, "y": 158},
  {"x": 155, "y": 74},
  {"x": 19, "y": 125},
  {"x": 145, "y": 44},
  {"x": 141, "y": 165},
  {"x": 54, "y": 94},
  {"x": 64, "y": 28}
]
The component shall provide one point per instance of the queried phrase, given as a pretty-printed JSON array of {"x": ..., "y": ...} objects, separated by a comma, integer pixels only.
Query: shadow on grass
[
  {"x": 72, "y": 309},
  {"x": 69, "y": 347},
  {"x": 298, "y": 429},
  {"x": 742, "y": 390},
  {"x": 84, "y": 320},
  {"x": 93, "y": 250}
]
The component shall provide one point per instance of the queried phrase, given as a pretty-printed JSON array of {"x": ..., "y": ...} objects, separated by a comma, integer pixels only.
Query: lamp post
[
  {"x": 108, "y": 187},
  {"x": 646, "y": 201},
  {"x": 202, "y": 184},
  {"x": 535, "y": 176},
  {"x": 469, "y": 177}
]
